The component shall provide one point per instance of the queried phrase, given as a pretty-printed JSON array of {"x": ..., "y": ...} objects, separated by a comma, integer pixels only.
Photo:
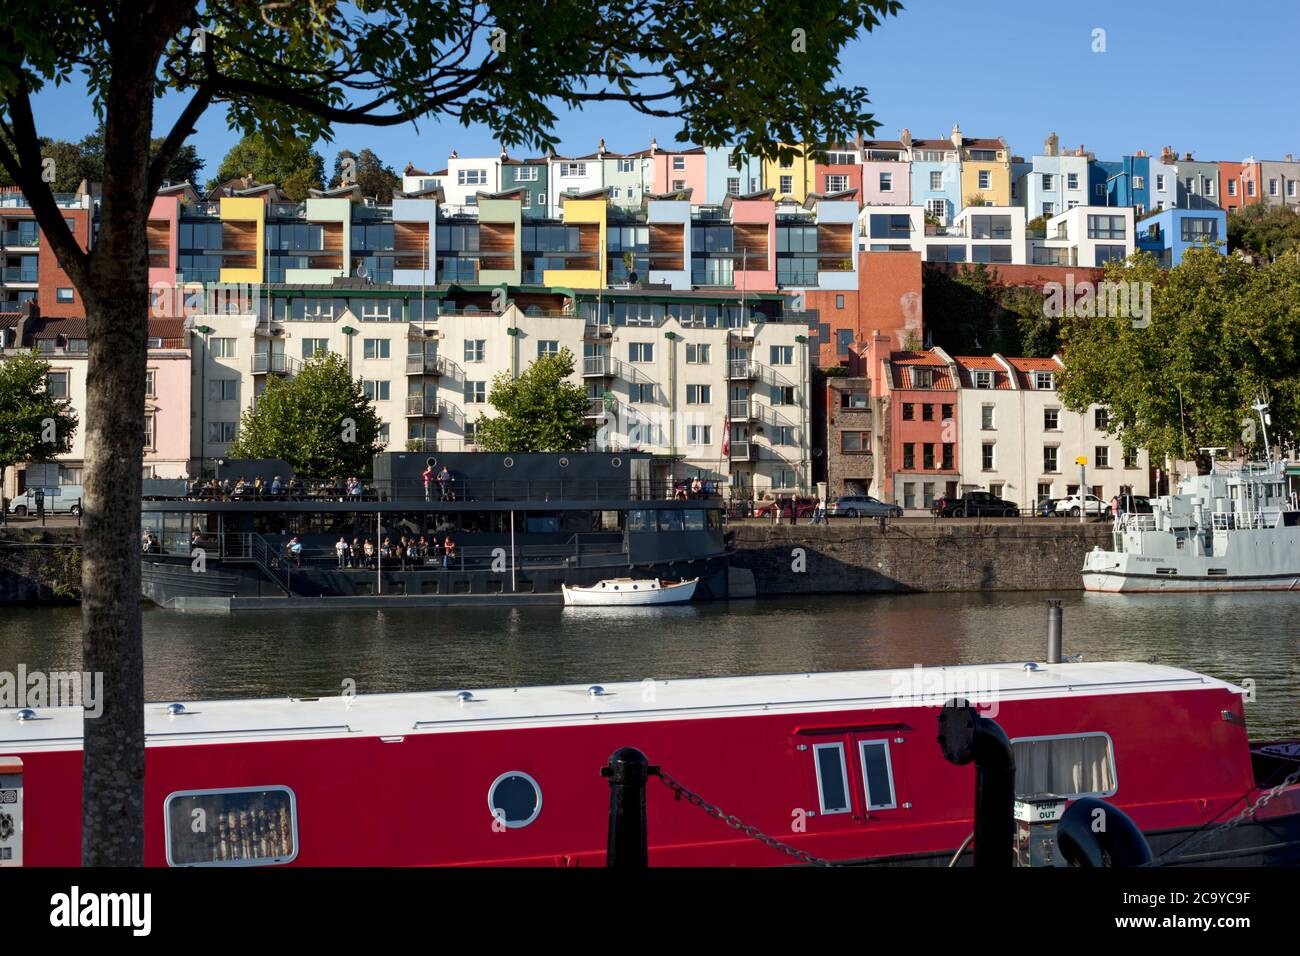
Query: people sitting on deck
[
  {"x": 422, "y": 548},
  {"x": 448, "y": 552},
  {"x": 370, "y": 553},
  {"x": 354, "y": 488},
  {"x": 295, "y": 488},
  {"x": 295, "y": 551},
  {"x": 341, "y": 549},
  {"x": 241, "y": 487},
  {"x": 412, "y": 552},
  {"x": 697, "y": 487},
  {"x": 277, "y": 487},
  {"x": 146, "y": 541}
]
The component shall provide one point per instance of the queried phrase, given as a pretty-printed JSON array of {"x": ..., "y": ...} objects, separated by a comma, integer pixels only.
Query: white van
[{"x": 66, "y": 501}]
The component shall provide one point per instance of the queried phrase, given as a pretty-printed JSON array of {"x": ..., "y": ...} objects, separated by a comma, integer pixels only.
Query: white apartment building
[
  {"x": 1087, "y": 236},
  {"x": 730, "y": 404},
  {"x": 1018, "y": 441},
  {"x": 989, "y": 234}
]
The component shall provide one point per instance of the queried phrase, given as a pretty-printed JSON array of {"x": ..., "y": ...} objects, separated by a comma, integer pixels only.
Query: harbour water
[{"x": 1238, "y": 637}]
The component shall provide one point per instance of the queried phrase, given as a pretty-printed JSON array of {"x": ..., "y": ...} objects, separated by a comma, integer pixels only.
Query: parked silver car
[{"x": 862, "y": 506}]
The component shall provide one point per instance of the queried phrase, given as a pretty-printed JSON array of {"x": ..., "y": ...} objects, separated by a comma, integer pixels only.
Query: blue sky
[{"x": 1217, "y": 79}]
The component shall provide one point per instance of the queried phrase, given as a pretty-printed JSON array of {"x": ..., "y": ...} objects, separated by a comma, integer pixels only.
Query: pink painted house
[
  {"x": 674, "y": 170},
  {"x": 754, "y": 227},
  {"x": 886, "y": 175}
]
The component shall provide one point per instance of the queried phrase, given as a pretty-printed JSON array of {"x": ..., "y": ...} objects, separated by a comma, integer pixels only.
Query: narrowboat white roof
[{"x": 396, "y": 715}]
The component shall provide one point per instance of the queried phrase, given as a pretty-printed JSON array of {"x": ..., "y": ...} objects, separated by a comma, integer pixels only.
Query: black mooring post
[
  {"x": 627, "y": 772},
  {"x": 965, "y": 736}
]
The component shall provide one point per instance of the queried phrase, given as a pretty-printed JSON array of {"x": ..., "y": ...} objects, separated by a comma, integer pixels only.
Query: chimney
[
  {"x": 1187, "y": 157},
  {"x": 1050, "y": 145},
  {"x": 1168, "y": 156},
  {"x": 956, "y": 135},
  {"x": 654, "y": 145},
  {"x": 453, "y": 155},
  {"x": 1140, "y": 154},
  {"x": 1289, "y": 159},
  {"x": 857, "y": 142},
  {"x": 601, "y": 149},
  {"x": 905, "y": 137}
]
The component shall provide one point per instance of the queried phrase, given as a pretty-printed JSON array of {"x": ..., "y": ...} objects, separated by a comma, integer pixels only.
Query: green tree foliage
[
  {"x": 291, "y": 164},
  {"x": 541, "y": 410},
  {"x": 319, "y": 421},
  {"x": 1222, "y": 333},
  {"x": 971, "y": 311},
  {"x": 1260, "y": 230},
  {"x": 73, "y": 163},
  {"x": 369, "y": 172},
  {"x": 26, "y": 406}
]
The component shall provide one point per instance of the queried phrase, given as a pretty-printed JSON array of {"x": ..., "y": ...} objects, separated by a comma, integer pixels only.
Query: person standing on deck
[
  {"x": 448, "y": 553},
  {"x": 341, "y": 549},
  {"x": 427, "y": 475}
]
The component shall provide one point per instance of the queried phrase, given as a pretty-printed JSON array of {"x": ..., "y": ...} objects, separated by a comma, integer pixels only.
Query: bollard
[
  {"x": 1092, "y": 833},
  {"x": 627, "y": 771},
  {"x": 965, "y": 736},
  {"x": 1054, "y": 617}
]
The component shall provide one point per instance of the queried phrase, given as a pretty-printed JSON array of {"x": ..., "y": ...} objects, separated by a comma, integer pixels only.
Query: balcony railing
[
  {"x": 424, "y": 365},
  {"x": 741, "y": 369},
  {"x": 741, "y": 409},
  {"x": 276, "y": 363},
  {"x": 423, "y": 406},
  {"x": 21, "y": 240},
  {"x": 742, "y": 451},
  {"x": 20, "y": 275},
  {"x": 599, "y": 366},
  {"x": 599, "y": 407}
]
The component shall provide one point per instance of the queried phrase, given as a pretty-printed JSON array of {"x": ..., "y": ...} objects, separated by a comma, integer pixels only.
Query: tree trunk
[{"x": 117, "y": 310}]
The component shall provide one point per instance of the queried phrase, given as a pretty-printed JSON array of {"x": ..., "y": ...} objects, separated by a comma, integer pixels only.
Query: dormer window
[
  {"x": 1044, "y": 381},
  {"x": 983, "y": 378},
  {"x": 922, "y": 377}
]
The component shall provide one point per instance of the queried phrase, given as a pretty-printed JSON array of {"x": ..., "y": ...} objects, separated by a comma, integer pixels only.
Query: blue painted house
[{"x": 1169, "y": 234}]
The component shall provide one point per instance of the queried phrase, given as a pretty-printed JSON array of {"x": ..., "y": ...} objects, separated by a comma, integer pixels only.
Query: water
[{"x": 1237, "y": 637}]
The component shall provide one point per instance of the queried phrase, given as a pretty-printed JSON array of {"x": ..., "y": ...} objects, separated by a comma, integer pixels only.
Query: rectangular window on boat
[
  {"x": 247, "y": 826},
  {"x": 832, "y": 778},
  {"x": 877, "y": 774},
  {"x": 670, "y": 521},
  {"x": 640, "y": 519},
  {"x": 1077, "y": 765}
]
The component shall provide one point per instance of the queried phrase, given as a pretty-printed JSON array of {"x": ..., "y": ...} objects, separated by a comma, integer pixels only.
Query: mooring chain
[
  {"x": 1246, "y": 814},
  {"x": 680, "y": 790}
]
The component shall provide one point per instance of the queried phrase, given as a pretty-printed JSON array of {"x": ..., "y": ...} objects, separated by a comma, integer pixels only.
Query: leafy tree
[
  {"x": 319, "y": 421},
  {"x": 727, "y": 71},
  {"x": 369, "y": 172},
  {"x": 26, "y": 407},
  {"x": 1222, "y": 333},
  {"x": 541, "y": 410},
  {"x": 1267, "y": 231},
  {"x": 293, "y": 165}
]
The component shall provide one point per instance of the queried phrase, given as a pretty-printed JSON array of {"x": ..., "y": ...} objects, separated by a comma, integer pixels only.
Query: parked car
[
  {"x": 862, "y": 506},
  {"x": 973, "y": 504},
  {"x": 1075, "y": 505},
  {"x": 67, "y": 501},
  {"x": 806, "y": 506},
  {"x": 1046, "y": 508},
  {"x": 1137, "y": 504}
]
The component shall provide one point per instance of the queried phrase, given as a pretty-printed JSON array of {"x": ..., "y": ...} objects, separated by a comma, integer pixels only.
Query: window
[
  {"x": 1044, "y": 491},
  {"x": 151, "y": 382},
  {"x": 1071, "y": 180},
  {"x": 1044, "y": 381},
  {"x": 697, "y": 354},
  {"x": 1051, "y": 419},
  {"x": 1106, "y": 227},
  {"x": 781, "y": 355},
  {"x": 787, "y": 185},
  {"x": 526, "y": 174},
  {"x": 679, "y": 162},
  {"x": 886, "y": 182},
  {"x": 375, "y": 391},
  {"x": 1050, "y": 464},
  {"x": 927, "y": 455},
  {"x": 679, "y": 185},
  {"x": 839, "y": 302},
  {"x": 64, "y": 295},
  {"x": 856, "y": 398},
  {"x": 311, "y": 346},
  {"x": 547, "y": 347},
  {"x": 1139, "y": 182},
  {"x": 471, "y": 177},
  {"x": 985, "y": 179},
  {"x": 1160, "y": 182},
  {"x": 986, "y": 457},
  {"x": 938, "y": 208},
  {"x": 927, "y": 412},
  {"x": 1101, "y": 419},
  {"x": 991, "y": 254},
  {"x": 221, "y": 348},
  {"x": 909, "y": 455},
  {"x": 698, "y": 394},
  {"x": 571, "y": 170},
  {"x": 983, "y": 378},
  {"x": 1130, "y": 458},
  {"x": 1195, "y": 229},
  {"x": 515, "y": 799},
  {"x": 782, "y": 435},
  {"x": 949, "y": 451},
  {"x": 56, "y": 383},
  {"x": 733, "y": 185},
  {"x": 877, "y": 774},
  {"x": 936, "y": 181},
  {"x": 641, "y": 392},
  {"x": 475, "y": 350},
  {"x": 986, "y": 418},
  {"x": 909, "y": 495},
  {"x": 223, "y": 389},
  {"x": 1272, "y": 186},
  {"x": 782, "y": 395},
  {"x": 837, "y": 183},
  {"x": 699, "y": 435},
  {"x": 909, "y": 411},
  {"x": 1232, "y": 188},
  {"x": 855, "y": 443},
  {"x": 1250, "y": 187},
  {"x": 990, "y": 227},
  {"x": 1290, "y": 188},
  {"x": 1077, "y": 765},
  {"x": 640, "y": 351},
  {"x": 375, "y": 348},
  {"x": 832, "y": 778},
  {"x": 475, "y": 392},
  {"x": 1101, "y": 457},
  {"x": 221, "y": 432},
  {"x": 244, "y": 826}
]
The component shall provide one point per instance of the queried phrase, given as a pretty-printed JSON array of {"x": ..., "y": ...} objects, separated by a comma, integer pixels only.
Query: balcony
[
  {"x": 20, "y": 240},
  {"x": 741, "y": 370},
  {"x": 599, "y": 366},
  {"x": 742, "y": 451},
  {"x": 594, "y": 331},
  {"x": 20, "y": 275},
  {"x": 275, "y": 363},
  {"x": 741, "y": 410},
  {"x": 425, "y": 364},
  {"x": 599, "y": 408},
  {"x": 423, "y": 406}
]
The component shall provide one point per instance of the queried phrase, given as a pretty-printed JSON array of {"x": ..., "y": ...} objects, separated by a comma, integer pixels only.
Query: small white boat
[{"x": 630, "y": 591}]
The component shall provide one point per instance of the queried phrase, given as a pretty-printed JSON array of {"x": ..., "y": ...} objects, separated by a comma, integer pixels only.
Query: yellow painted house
[
  {"x": 586, "y": 268},
  {"x": 243, "y": 237},
  {"x": 985, "y": 170},
  {"x": 792, "y": 180}
]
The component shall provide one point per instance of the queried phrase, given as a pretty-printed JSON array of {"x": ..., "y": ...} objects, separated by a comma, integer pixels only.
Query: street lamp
[{"x": 349, "y": 331}]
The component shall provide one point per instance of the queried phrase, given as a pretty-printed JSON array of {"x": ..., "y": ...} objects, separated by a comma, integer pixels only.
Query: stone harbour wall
[
  {"x": 852, "y": 558},
  {"x": 40, "y": 566}
]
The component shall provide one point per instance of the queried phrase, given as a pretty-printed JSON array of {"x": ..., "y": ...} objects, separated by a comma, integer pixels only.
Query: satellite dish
[{"x": 361, "y": 271}]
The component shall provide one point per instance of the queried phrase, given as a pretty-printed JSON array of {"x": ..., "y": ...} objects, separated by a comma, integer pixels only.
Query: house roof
[
  {"x": 966, "y": 364},
  {"x": 1026, "y": 367},
  {"x": 903, "y": 368}
]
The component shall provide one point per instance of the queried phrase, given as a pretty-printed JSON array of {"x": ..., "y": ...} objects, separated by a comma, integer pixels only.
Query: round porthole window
[
  {"x": 564, "y": 463},
  {"x": 508, "y": 462},
  {"x": 616, "y": 462},
  {"x": 515, "y": 799}
]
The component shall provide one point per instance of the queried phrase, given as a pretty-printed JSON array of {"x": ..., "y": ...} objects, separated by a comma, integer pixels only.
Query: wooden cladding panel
[
  {"x": 332, "y": 236},
  {"x": 835, "y": 239},
  {"x": 667, "y": 245},
  {"x": 411, "y": 237},
  {"x": 589, "y": 237},
  {"x": 751, "y": 245},
  {"x": 159, "y": 242}
]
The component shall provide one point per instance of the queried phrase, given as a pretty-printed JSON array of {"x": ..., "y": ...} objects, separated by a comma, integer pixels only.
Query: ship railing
[
  {"x": 454, "y": 489},
  {"x": 1140, "y": 522},
  {"x": 1254, "y": 520}
]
